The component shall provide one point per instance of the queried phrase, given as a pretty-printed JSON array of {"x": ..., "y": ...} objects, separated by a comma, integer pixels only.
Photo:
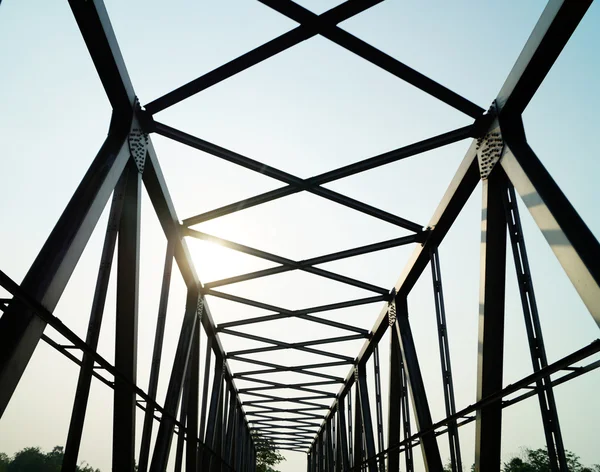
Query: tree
[
  {"x": 537, "y": 460},
  {"x": 4, "y": 461},
  {"x": 267, "y": 455},
  {"x": 32, "y": 459}
]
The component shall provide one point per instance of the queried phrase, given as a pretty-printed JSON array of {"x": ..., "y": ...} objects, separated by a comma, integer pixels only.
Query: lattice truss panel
[{"x": 328, "y": 401}]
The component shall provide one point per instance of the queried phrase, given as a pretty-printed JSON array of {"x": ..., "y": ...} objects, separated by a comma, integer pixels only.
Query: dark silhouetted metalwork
[{"x": 221, "y": 427}]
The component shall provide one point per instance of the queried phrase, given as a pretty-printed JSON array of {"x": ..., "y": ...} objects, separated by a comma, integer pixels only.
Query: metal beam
[
  {"x": 282, "y": 260},
  {"x": 377, "y": 57},
  {"x": 448, "y": 383},
  {"x": 378, "y": 406},
  {"x": 554, "y": 442},
  {"x": 365, "y": 416},
  {"x": 20, "y": 329},
  {"x": 390, "y": 243},
  {"x": 192, "y": 410},
  {"x": 162, "y": 446},
  {"x": 156, "y": 358},
  {"x": 277, "y": 345},
  {"x": 429, "y": 446},
  {"x": 251, "y": 164},
  {"x": 305, "y": 316},
  {"x": 570, "y": 239},
  {"x": 281, "y": 43},
  {"x": 126, "y": 325},
  {"x": 346, "y": 171},
  {"x": 395, "y": 399},
  {"x": 550, "y": 35},
  {"x": 488, "y": 432},
  {"x": 93, "y": 333}
]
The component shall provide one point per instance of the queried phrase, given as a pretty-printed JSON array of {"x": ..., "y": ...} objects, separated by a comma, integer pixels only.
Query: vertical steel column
[
  {"x": 212, "y": 431},
  {"x": 408, "y": 452},
  {"x": 217, "y": 447},
  {"x": 378, "y": 407},
  {"x": 239, "y": 441},
  {"x": 156, "y": 358},
  {"x": 336, "y": 441},
  {"x": 201, "y": 448},
  {"x": 328, "y": 448},
  {"x": 395, "y": 393},
  {"x": 448, "y": 383},
  {"x": 320, "y": 458},
  {"x": 350, "y": 437},
  {"x": 162, "y": 447},
  {"x": 193, "y": 396},
  {"x": 358, "y": 427},
  {"x": 93, "y": 333},
  {"x": 230, "y": 427},
  {"x": 247, "y": 453},
  {"x": 20, "y": 328},
  {"x": 429, "y": 445},
  {"x": 182, "y": 438},
  {"x": 554, "y": 442},
  {"x": 226, "y": 395},
  {"x": 126, "y": 322},
  {"x": 488, "y": 433},
  {"x": 342, "y": 436},
  {"x": 367, "y": 422}
]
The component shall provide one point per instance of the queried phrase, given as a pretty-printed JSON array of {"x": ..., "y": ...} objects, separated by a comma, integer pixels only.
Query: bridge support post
[
  {"x": 491, "y": 323},
  {"x": 193, "y": 397},
  {"x": 201, "y": 430},
  {"x": 156, "y": 358},
  {"x": 429, "y": 446},
  {"x": 162, "y": 446},
  {"x": 364, "y": 408},
  {"x": 342, "y": 445},
  {"x": 554, "y": 443},
  {"x": 181, "y": 437},
  {"x": 378, "y": 407},
  {"x": 20, "y": 328},
  {"x": 447, "y": 381},
  {"x": 128, "y": 264},
  {"x": 93, "y": 333}
]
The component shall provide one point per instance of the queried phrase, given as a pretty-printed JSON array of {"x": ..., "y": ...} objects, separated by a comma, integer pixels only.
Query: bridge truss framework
[{"x": 213, "y": 429}]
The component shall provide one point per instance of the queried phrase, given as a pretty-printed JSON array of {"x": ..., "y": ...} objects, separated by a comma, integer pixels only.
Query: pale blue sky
[{"x": 310, "y": 109}]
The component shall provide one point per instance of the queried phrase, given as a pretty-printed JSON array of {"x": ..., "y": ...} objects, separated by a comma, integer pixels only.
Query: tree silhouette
[{"x": 32, "y": 459}]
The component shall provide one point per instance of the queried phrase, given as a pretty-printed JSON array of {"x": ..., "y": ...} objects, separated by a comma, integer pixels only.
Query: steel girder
[{"x": 223, "y": 431}]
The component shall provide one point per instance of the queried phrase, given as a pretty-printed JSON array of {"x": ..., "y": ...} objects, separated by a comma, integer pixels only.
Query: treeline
[
  {"x": 537, "y": 460},
  {"x": 32, "y": 459}
]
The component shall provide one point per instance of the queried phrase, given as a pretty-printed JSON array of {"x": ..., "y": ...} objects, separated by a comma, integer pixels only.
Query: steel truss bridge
[{"x": 212, "y": 422}]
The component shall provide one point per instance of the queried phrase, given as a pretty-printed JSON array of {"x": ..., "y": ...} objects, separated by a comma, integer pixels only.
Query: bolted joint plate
[
  {"x": 200, "y": 307},
  {"x": 138, "y": 143},
  {"x": 489, "y": 147},
  {"x": 356, "y": 373},
  {"x": 392, "y": 313}
]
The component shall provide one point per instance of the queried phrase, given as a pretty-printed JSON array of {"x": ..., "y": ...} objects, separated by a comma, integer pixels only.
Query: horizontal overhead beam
[
  {"x": 282, "y": 260},
  {"x": 388, "y": 244},
  {"x": 277, "y": 174},
  {"x": 342, "y": 172},
  {"x": 377, "y": 57},
  {"x": 305, "y": 315},
  {"x": 301, "y": 33}
]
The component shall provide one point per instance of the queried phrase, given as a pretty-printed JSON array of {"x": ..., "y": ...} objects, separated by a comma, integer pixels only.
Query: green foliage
[
  {"x": 537, "y": 460},
  {"x": 267, "y": 455},
  {"x": 4, "y": 461},
  {"x": 32, "y": 459}
]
